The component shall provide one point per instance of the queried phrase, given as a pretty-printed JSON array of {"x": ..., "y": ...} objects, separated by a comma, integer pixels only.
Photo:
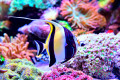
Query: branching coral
[
  {"x": 82, "y": 13},
  {"x": 16, "y": 48},
  {"x": 40, "y": 4},
  {"x": 20, "y": 69},
  {"x": 98, "y": 56},
  {"x": 65, "y": 74}
]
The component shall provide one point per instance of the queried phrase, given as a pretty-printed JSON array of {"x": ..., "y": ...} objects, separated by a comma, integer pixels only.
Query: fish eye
[{"x": 82, "y": 44}]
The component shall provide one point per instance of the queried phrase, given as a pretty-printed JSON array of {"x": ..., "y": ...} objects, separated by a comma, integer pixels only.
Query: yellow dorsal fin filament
[{"x": 48, "y": 38}]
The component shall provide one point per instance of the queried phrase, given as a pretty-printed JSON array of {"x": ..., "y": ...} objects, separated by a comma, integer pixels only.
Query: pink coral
[
  {"x": 64, "y": 73},
  {"x": 82, "y": 14},
  {"x": 65, "y": 77}
]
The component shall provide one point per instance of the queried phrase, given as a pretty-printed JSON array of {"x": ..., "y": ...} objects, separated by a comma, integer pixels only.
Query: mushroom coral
[
  {"x": 82, "y": 13},
  {"x": 16, "y": 47}
]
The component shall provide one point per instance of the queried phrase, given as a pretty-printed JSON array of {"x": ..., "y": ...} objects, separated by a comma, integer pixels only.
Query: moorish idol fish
[{"x": 61, "y": 44}]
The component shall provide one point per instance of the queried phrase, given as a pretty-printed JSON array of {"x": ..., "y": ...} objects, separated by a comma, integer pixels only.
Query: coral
[
  {"x": 63, "y": 73},
  {"x": 4, "y": 6},
  {"x": 20, "y": 69},
  {"x": 115, "y": 17},
  {"x": 4, "y": 25},
  {"x": 114, "y": 28},
  {"x": 50, "y": 14},
  {"x": 111, "y": 12},
  {"x": 105, "y": 3},
  {"x": 6, "y": 1},
  {"x": 2, "y": 59},
  {"x": 36, "y": 27},
  {"x": 82, "y": 14},
  {"x": 40, "y": 4},
  {"x": 98, "y": 56},
  {"x": 78, "y": 32},
  {"x": 65, "y": 24},
  {"x": 16, "y": 47}
]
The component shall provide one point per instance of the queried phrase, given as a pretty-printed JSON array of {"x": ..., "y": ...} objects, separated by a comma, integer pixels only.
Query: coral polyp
[
  {"x": 98, "y": 56},
  {"x": 20, "y": 69},
  {"x": 82, "y": 14},
  {"x": 64, "y": 73}
]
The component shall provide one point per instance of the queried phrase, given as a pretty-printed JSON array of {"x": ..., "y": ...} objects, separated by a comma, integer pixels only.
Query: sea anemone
[
  {"x": 50, "y": 14},
  {"x": 16, "y": 48},
  {"x": 82, "y": 13},
  {"x": 78, "y": 32}
]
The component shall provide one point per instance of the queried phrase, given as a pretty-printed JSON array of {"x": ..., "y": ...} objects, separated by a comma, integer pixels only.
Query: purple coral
[
  {"x": 65, "y": 74},
  {"x": 99, "y": 55}
]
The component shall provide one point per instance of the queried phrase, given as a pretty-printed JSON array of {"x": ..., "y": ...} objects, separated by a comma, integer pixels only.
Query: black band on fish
[
  {"x": 33, "y": 60},
  {"x": 70, "y": 49},
  {"x": 51, "y": 47}
]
